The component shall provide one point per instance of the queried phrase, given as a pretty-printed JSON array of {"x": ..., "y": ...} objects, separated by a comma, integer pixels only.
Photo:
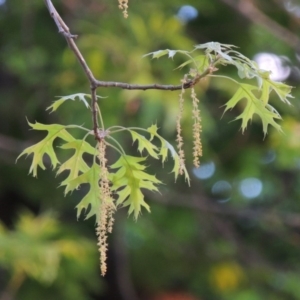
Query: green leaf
[
  {"x": 143, "y": 143},
  {"x": 165, "y": 146},
  {"x": 201, "y": 62},
  {"x": 81, "y": 97},
  {"x": 92, "y": 200},
  {"x": 76, "y": 163},
  {"x": 153, "y": 131},
  {"x": 128, "y": 182},
  {"x": 265, "y": 92},
  {"x": 170, "y": 53},
  {"x": 217, "y": 48},
  {"x": 177, "y": 163},
  {"x": 157, "y": 54},
  {"x": 282, "y": 90},
  {"x": 253, "y": 106},
  {"x": 45, "y": 146},
  {"x": 226, "y": 55},
  {"x": 246, "y": 71}
]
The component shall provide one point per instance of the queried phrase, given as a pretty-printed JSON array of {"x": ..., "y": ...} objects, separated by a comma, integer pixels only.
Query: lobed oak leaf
[
  {"x": 170, "y": 53},
  {"x": 143, "y": 143},
  {"x": 152, "y": 130},
  {"x": 157, "y": 54},
  {"x": 81, "y": 97},
  {"x": 253, "y": 106},
  {"x": 282, "y": 90},
  {"x": 45, "y": 146},
  {"x": 128, "y": 181},
  {"x": 163, "y": 152},
  {"x": 91, "y": 202},
  {"x": 75, "y": 164}
]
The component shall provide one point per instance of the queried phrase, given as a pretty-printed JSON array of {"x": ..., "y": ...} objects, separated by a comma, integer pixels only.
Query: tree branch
[
  {"x": 94, "y": 83},
  {"x": 62, "y": 28},
  {"x": 251, "y": 12},
  {"x": 204, "y": 204},
  {"x": 154, "y": 86}
]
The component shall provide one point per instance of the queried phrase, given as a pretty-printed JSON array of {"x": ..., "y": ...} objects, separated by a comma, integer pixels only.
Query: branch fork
[{"x": 94, "y": 83}]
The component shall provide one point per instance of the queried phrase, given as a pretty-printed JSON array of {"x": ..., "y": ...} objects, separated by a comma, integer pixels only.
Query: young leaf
[
  {"x": 45, "y": 146},
  {"x": 282, "y": 90},
  {"x": 153, "y": 131},
  {"x": 253, "y": 106},
  {"x": 92, "y": 200},
  {"x": 157, "y": 54},
  {"x": 217, "y": 48},
  {"x": 165, "y": 146},
  {"x": 143, "y": 143},
  {"x": 128, "y": 182},
  {"x": 201, "y": 62},
  {"x": 177, "y": 163},
  {"x": 76, "y": 163},
  {"x": 170, "y": 53},
  {"x": 81, "y": 97},
  {"x": 226, "y": 55},
  {"x": 246, "y": 71}
]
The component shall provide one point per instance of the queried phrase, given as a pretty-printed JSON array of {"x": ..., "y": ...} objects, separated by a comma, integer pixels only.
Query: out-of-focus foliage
[
  {"x": 41, "y": 250},
  {"x": 240, "y": 217}
]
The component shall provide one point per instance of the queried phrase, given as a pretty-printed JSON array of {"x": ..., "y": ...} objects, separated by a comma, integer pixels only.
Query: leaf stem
[
  {"x": 100, "y": 116},
  {"x": 225, "y": 77},
  {"x": 119, "y": 145},
  {"x": 78, "y": 126},
  {"x": 114, "y": 147}
]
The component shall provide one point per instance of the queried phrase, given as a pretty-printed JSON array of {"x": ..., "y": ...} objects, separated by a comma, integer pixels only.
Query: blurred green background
[{"x": 234, "y": 234}]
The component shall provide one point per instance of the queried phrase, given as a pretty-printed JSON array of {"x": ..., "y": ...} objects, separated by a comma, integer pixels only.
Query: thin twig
[
  {"x": 154, "y": 86},
  {"x": 95, "y": 114},
  {"x": 61, "y": 25}
]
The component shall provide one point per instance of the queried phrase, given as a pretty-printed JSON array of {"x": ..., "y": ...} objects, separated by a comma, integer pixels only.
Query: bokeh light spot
[
  {"x": 205, "y": 170},
  {"x": 222, "y": 191},
  {"x": 187, "y": 13},
  {"x": 269, "y": 157},
  {"x": 271, "y": 62},
  {"x": 291, "y": 7},
  {"x": 251, "y": 187}
]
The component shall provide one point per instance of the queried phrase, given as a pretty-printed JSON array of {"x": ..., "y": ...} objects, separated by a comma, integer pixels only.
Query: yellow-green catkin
[
  {"x": 179, "y": 138},
  {"x": 197, "y": 129},
  {"x": 123, "y": 5},
  {"x": 105, "y": 222}
]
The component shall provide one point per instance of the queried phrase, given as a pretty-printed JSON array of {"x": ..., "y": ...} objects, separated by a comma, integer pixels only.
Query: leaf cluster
[
  {"x": 130, "y": 176},
  {"x": 255, "y": 96}
]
